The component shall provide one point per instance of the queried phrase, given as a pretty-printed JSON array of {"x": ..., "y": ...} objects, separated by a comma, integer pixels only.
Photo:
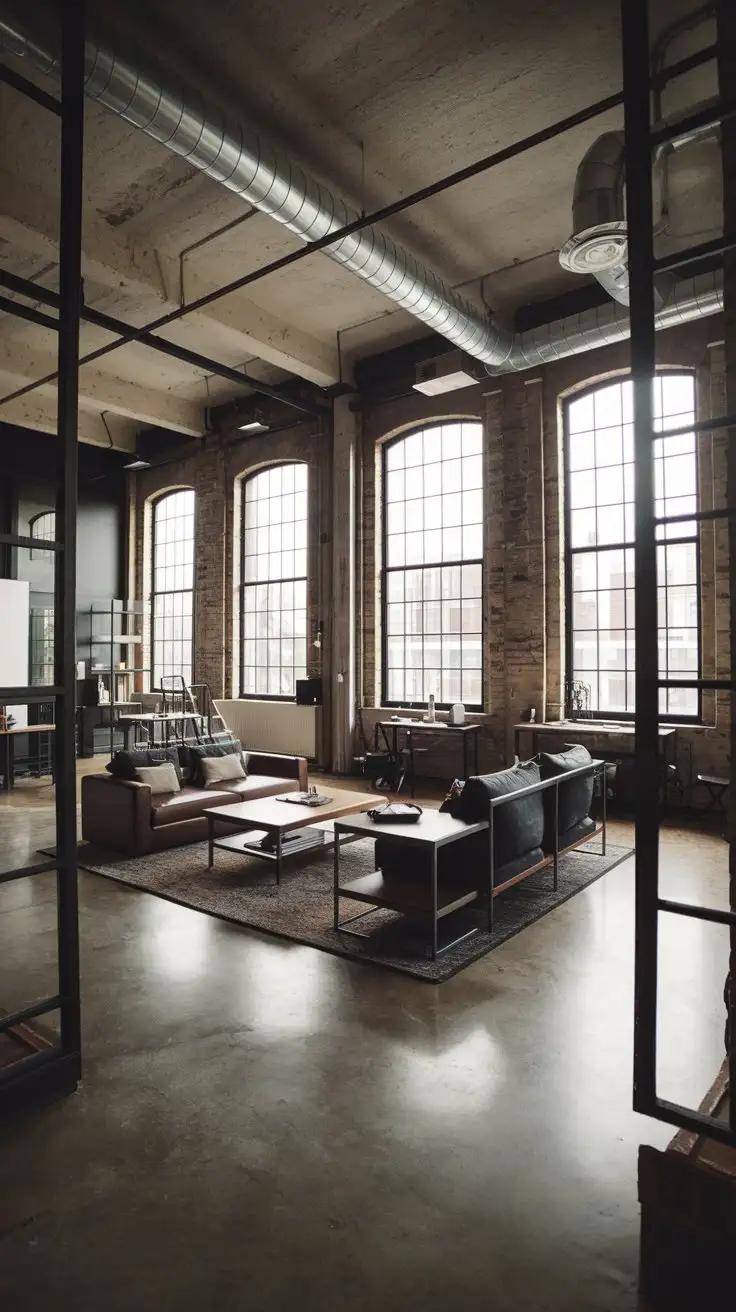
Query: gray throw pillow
[
  {"x": 221, "y": 769},
  {"x": 160, "y": 778}
]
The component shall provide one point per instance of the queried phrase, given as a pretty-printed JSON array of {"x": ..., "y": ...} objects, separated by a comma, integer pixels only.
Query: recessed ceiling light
[
  {"x": 253, "y": 426},
  {"x": 138, "y": 463}
]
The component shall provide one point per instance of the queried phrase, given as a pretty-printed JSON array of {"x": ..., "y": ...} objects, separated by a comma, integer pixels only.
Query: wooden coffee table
[{"x": 275, "y": 818}]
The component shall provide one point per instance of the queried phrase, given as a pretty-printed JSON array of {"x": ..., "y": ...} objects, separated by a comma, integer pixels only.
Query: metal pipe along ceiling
[{"x": 241, "y": 160}]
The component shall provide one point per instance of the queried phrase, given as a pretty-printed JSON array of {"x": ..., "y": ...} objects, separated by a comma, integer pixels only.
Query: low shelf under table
[
  {"x": 411, "y": 895},
  {"x": 275, "y": 818}
]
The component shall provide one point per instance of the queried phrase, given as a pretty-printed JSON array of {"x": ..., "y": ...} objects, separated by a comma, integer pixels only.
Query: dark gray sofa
[{"x": 538, "y": 809}]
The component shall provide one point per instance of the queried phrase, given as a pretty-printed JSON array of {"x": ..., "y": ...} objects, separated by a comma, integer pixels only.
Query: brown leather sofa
[{"x": 124, "y": 816}]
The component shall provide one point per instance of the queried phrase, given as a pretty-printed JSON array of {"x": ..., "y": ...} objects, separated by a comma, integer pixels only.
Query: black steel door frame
[
  {"x": 641, "y": 139},
  {"x": 56, "y": 1070}
]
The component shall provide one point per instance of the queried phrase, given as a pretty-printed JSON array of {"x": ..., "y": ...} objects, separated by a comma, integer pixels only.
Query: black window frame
[
  {"x": 165, "y": 592},
  {"x": 624, "y": 717},
  {"x": 243, "y": 584},
  {"x": 475, "y": 707},
  {"x": 41, "y": 553}
]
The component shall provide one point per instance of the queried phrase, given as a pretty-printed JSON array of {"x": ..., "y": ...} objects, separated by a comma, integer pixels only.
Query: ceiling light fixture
[
  {"x": 447, "y": 383},
  {"x": 138, "y": 463},
  {"x": 444, "y": 373},
  {"x": 253, "y": 426}
]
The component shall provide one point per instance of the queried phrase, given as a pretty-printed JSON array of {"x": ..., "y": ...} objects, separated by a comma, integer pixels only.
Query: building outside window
[
  {"x": 432, "y": 577},
  {"x": 599, "y": 451},
  {"x": 273, "y": 607},
  {"x": 172, "y": 599}
]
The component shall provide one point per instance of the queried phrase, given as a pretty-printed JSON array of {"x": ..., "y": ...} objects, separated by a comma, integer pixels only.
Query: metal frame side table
[{"x": 414, "y": 895}]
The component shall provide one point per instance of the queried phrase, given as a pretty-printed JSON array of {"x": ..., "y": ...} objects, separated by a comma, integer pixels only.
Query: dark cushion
[
  {"x": 575, "y": 797},
  {"x": 124, "y": 764},
  {"x": 585, "y": 829},
  {"x": 199, "y": 751},
  {"x": 517, "y": 826},
  {"x": 463, "y": 862}
]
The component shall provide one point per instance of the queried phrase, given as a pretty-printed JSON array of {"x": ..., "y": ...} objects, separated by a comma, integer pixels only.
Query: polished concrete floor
[{"x": 264, "y": 1127}]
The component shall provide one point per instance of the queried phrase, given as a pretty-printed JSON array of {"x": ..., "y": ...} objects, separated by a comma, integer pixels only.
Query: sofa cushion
[
  {"x": 160, "y": 778},
  {"x": 518, "y": 826},
  {"x": 219, "y": 770},
  {"x": 575, "y": 797},
  {"x": 462, "y": 862},
  {"x": 258, "y": 785},
  {"x": 201, "y": 751},
  {"x": 189, "y": 804},
  {"x": 124, "y": 764},
  {"x": 585, "y": 829}
]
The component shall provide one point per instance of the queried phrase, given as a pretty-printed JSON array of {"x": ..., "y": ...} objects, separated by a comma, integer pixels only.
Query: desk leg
[
  {"x": 434, "y": 903},
  {"x": 11, "y": 762},
  {"x": 6, "y": 763},
  {"x": 517, "y": 744},
  {"x": 604, "y": 777},
  {"x": 278, "y": 856},
  {"x": 556, "y": 856},
  {"x": 490, "y": 870},
  {"x": 210, "y": 841},
  {"x": 476, "y": 736},
  {"x": 410, "y": 737},
  {"x": 465, "y": 756},
  {"x": 336, "y": 882}
]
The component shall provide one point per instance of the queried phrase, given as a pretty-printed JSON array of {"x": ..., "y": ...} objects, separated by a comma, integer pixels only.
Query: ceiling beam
[
  {"x": 39, "y": 412},
  {"x": 100, "y": 392},
  {"x": 29, "y": 221}
]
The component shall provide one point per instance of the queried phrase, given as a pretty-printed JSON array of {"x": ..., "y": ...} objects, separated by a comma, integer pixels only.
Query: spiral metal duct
[{"x": 240, "y": 159}]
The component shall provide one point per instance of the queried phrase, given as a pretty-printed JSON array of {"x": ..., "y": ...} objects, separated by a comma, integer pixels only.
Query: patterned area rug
[{"x": 242, "y": 889}]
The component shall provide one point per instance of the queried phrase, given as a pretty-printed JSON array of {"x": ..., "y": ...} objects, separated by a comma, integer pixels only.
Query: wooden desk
[
  {"x": 467, "y": 732},
  {"x": 580, "y": 730},
  {"x": 7, "y": 750},
  {"x": 610, "y": 742}
]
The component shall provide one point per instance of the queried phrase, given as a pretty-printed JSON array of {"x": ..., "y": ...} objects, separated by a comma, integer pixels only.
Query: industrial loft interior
[{"x": 367, "y": 539}]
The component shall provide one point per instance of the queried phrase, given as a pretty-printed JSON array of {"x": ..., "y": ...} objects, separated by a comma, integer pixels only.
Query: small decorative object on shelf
[
  {"x": 457, "y": 714},
  {"x": 577, "y": 699},
  {"x": 430, "y": 716}
]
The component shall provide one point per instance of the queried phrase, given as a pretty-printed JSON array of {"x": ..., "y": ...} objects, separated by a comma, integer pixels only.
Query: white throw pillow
[
  {"x": 160, "y": 778},
  {"x": 217, "y": 770}
]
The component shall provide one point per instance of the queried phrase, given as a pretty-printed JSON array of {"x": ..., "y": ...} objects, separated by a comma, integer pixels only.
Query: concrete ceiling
[{"x": 376, "y": 99}]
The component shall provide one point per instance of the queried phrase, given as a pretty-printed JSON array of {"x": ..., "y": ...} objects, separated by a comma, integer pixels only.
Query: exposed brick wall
[
  {"x": 523, "y": 602},
  {"x": 524, "y": 537}
]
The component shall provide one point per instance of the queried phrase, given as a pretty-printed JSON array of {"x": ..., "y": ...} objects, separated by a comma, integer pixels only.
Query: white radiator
[{"x": 272, "y": 726}]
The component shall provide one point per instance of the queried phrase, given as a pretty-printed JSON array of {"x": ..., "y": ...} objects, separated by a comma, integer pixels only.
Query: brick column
[
  {"x": 524, "y": 555},
  {"x": 341, "y": 622},
  {"x": 727, "y": 78}
]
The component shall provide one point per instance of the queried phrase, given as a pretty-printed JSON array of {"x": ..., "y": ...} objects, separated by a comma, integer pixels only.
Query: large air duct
[
  {"x": 241, "y": 160},
  {"x": 599, "y": 244}
]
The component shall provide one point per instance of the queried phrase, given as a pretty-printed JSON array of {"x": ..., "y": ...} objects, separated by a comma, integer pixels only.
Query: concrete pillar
[
  {"x": 726, "y": 75},
  {"x": 341, "y": 622}
]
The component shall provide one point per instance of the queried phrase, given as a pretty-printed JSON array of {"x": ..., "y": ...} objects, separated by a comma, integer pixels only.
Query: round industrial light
[{"x": 595, "y": 249}]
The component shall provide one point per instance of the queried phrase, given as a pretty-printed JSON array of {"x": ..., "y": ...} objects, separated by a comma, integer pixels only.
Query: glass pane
[
  {"x": 582, "y": 489},
  {"x": 600, "y": 438}
]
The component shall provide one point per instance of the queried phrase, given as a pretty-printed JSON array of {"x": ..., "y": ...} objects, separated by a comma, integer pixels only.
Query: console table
[
  {"x": 579, "y": 730},
  {"x": 611, "y": 742},
  {"x": 7, "y": 750},
  {"x": 390, "y": 732}
]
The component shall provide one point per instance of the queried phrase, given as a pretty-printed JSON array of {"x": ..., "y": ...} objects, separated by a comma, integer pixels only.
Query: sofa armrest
[
  {"x": 283, "y": 767},
  {"x": 116, "y": 813}
]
